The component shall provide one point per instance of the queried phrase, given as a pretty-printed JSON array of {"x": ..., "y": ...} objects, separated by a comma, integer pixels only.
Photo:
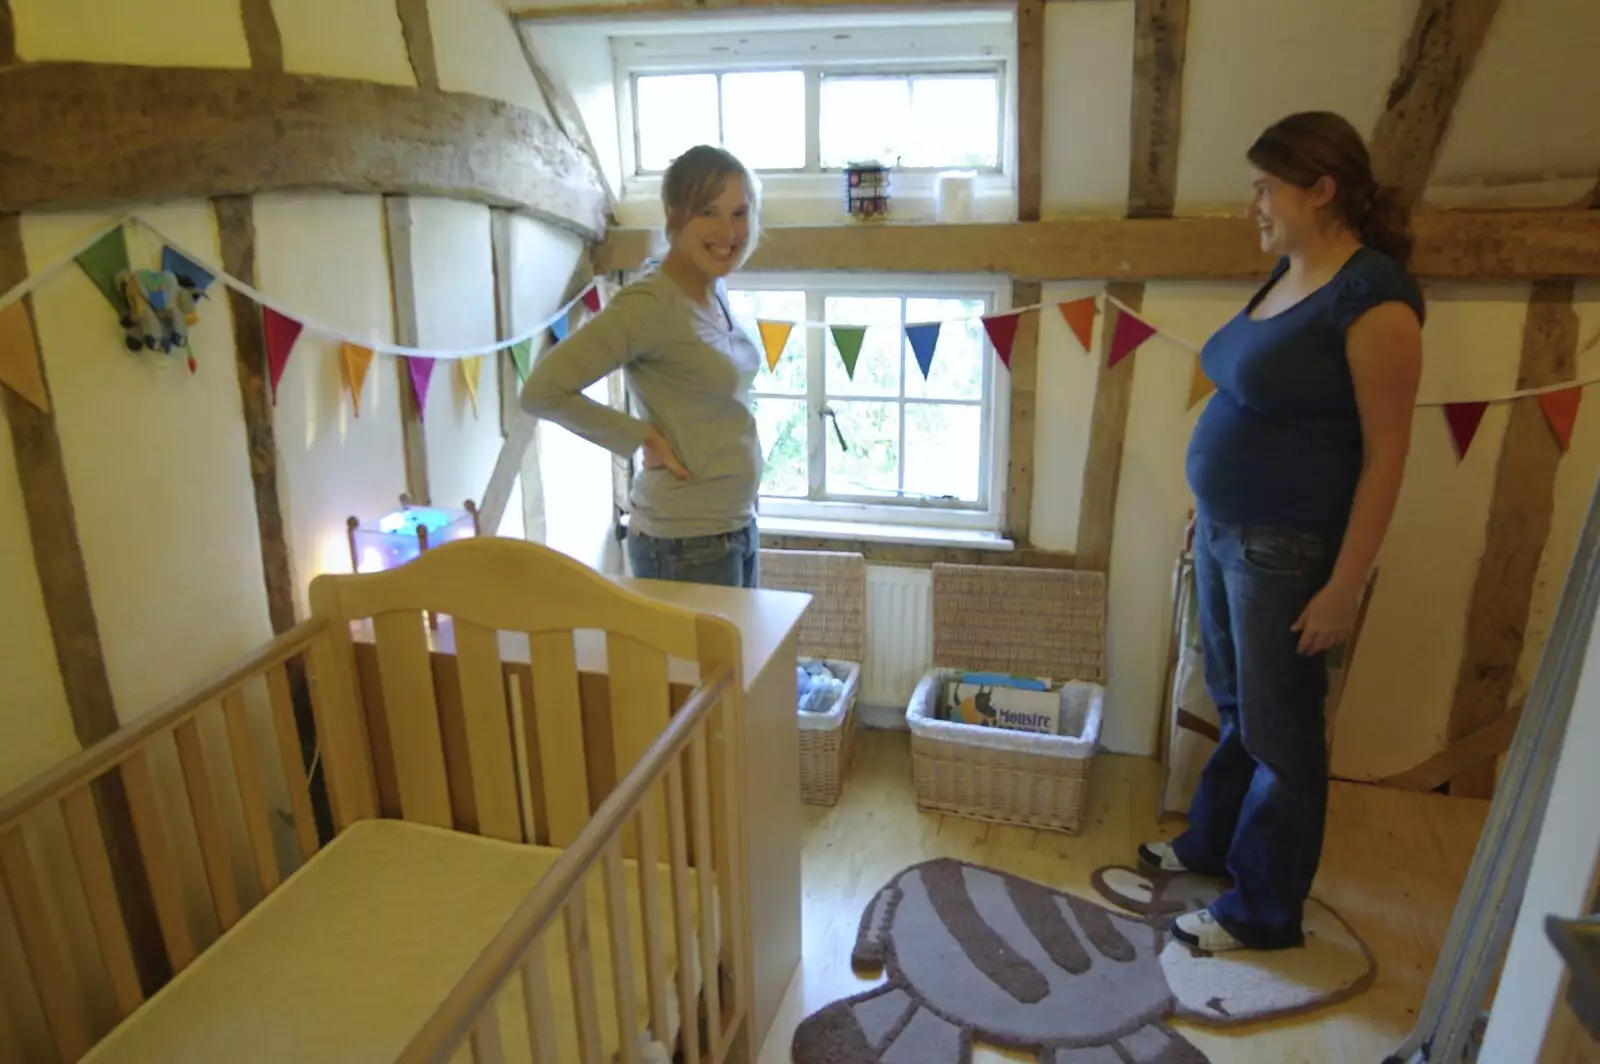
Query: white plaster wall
[
  {"x": 476, "y": 51},
  {"x": 1088, "y": 91},
  {"x": 350, "y": 39},
  {"x": 206, "y": 33},
  {"x": 1063, "y": 413}
]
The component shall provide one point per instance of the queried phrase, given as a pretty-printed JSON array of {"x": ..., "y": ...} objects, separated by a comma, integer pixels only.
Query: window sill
[{"x": 869, "y": 532}]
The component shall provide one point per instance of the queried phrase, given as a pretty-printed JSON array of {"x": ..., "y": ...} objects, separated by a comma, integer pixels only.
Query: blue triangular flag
[
  {"x": 174, "y": 263},
  {"x": 923, "y": 338},
  {"x": 559, "y": 328}
]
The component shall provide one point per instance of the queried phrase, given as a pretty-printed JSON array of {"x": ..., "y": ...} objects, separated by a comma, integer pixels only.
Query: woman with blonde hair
[{"x": 689, "y": 368}]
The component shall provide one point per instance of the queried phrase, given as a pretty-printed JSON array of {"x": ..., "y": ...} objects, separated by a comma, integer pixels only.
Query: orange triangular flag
[
  {"x": 1080, "y": 316},
  {"x": 1561, "y": 410},
  {"x": 471, "y": 373},
  {"x": 1200, "y": 385},
  {"x": 774, "y": 335},
  {"x": 353, "y": 362},
  {"x": 19, "y": 357}
]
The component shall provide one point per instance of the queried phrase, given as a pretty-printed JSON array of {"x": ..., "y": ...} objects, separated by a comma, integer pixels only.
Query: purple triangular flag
[
  {"x": 421, "y": 370},
  {"x": 923, "y": 340}
]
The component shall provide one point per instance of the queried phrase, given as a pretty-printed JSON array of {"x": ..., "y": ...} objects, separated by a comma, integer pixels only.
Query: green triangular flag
[
  {"x": 522, "y": 356},
  {"x": 102, "y": 262},
  {"x": 847, "y": 338}
]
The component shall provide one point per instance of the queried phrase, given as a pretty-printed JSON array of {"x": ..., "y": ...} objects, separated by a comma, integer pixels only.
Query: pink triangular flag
[
  {"x": 1080, "y": 317},
  {"x": 591, "y": 299},
  {"x": 1002, "y": 330},
  {"x": 1463, "y": 419},
  {"x": 421, "y": 371},
  {"x": 1561, "y": 410},
  {"x": 1131, "y": 332},
  {"x": 281, "y": 333}
]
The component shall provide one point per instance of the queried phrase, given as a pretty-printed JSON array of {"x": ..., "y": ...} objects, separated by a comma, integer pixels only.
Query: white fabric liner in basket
[
  {"x": 1082, "y": 705},
  {"x": 840, "y": 709}
]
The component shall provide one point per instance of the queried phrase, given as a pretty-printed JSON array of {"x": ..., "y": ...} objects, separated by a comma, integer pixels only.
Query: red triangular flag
[
  {"x": 1131, "y": 332},
  {"x": 1464, "y": 419},
  {"x": 1561, "y": 410},
  {"x": 1080, "y": 316},
  {"x": 1002, "y": 330},
  {"x": 281, "y": 333},
  {"x": 591, "y": 299},
  {"x": 421, "y": 371}
]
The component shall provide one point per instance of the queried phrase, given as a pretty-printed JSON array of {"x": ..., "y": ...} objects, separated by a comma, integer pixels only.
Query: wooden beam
[
  {"x": 562, "y": 106},
  {"x": 74, "y": 630},
  {"x": 1446, "y": 36},
  {"x": 1160, "y": 42},
  {"x": 1519, "y": 526},
  {"x": 402, "y": 288},
  {"x": 418, "y": 33},
  {"x": 1108, "y": 429},
  {"x": 8, "y": 35},
  {"x": 1465, "y": 754},
  {"x": 1024, "y": 370},
  {"x": 588, "y": 10},
  {"x": 911, "y": 554},
  {"x": 154, "y": 133},
  {"x": 261, "y": 36}
]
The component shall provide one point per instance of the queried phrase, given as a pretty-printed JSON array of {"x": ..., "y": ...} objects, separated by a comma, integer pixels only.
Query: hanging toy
[{"x": 142, "y": 326}]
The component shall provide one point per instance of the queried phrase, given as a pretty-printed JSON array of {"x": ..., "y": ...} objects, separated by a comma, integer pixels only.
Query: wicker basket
[
  {"x": 1026, "y": 622},
  {"x": 834, "y": 630}
]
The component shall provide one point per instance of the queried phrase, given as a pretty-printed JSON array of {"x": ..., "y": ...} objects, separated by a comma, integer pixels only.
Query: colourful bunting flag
[
  {"x": 591, "y": 299},
  {"x": 774, "y": 335},
  {"x": 184, "y": 269},
  {"x": 19, "y": 357},
  {"x": 1002, "y": 330},
  {"x": 1561, "y": 410},
  {"x": 1463, "y": 419},
  {"x": 281, "y": 334},
  {"x": 353, "y": 363},
  {"x": 1200, "y": 385},
  {"x": 1131, "y": 332},
  {"x": 1079, "y": 315},
  {"x": 421, "y": 372},
  {"x": 471, "y": 373},
  {"x": 522, "y": 358},
  {"x": 923, "y": 338},
  {"x": 559, "y": 328},
  {"x": 102, "y": 262},
  {"x": 847, "y": 338}
]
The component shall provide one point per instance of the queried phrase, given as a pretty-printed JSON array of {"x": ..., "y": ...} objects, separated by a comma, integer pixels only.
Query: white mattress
[{"x": 345, "y": 961}]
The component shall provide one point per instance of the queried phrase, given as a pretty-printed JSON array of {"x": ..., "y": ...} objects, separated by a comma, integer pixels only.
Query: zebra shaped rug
[{"x": 976, "y": 955}]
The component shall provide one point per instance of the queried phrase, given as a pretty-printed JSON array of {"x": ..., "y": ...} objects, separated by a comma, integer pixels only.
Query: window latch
[{"x": 827, "y": 412}]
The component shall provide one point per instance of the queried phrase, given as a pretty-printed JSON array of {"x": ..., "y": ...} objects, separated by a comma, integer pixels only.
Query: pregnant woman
[
  {"x": 1295, "y": 464},
  {"x": 689, "y": 369}
]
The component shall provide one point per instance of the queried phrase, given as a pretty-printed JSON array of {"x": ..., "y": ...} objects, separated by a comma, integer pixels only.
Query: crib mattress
[{"x": 349, "y": 957}]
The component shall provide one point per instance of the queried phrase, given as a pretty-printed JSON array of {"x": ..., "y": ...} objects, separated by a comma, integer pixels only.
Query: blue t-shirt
[{"x": 1279, "y": 443}]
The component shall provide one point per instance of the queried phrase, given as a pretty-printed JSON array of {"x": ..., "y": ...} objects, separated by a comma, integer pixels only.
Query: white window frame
[{"x": 988, "y": 513}]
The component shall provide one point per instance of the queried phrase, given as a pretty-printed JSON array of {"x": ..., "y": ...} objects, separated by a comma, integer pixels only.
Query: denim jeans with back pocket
[
  {"x": 732, "y": 559},
  {"x": 1260, "y": 809}
]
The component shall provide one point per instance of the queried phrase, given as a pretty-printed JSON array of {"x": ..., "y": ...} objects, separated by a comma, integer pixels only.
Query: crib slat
[
  {"x": 252, "y": 795},
  {"x": 724, "y": 762},
  {"x": 621, "y": 953},
  {"x": 536, "y": 1004},
  {"x": 558, "y": 722},
  {"x": 45, "y": 958},
  {"x": 488, "y": 727},
  {"x": 100, "y": 891},
  {"x": 207, "y": 823},
  {"x": 682, "y": 913},
  {"x": 580, "y": 965},
  {"x": 706, "y": 879},
  {"x": 294, "y": 766},
  {"x": 159, "y": 864},
  {"x": 413, "y": 716},
  {"x": 486, "y": 1047},
  {"x": 655, "y": 947},
  {"x": 639, "y": 702}
]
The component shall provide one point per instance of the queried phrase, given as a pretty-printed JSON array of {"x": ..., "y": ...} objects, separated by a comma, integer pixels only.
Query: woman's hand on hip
[
  {"x": 1328, "y": 618},
  {"x": 658, "y": 454}
]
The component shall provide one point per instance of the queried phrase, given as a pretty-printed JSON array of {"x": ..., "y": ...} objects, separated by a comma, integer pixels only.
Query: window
[{"x": 886, "y": 444}]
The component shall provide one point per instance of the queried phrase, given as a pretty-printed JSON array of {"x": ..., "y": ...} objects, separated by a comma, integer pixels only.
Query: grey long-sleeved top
[{"x": 690, "y": 369}]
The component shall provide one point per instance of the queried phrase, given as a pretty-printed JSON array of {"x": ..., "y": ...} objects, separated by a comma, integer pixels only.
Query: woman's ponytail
[{"x": 1387, "y": 225}]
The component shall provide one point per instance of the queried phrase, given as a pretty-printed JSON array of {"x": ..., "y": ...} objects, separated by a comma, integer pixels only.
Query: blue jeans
[
  {"x": 731, "y": 559},
  {"x": 1261, "y": 806}
]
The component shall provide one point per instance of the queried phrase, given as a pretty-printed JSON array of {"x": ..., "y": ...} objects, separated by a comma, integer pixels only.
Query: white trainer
[
  {"x": 1200, "y": 930},
  {"x": 1159, "y": 855}
]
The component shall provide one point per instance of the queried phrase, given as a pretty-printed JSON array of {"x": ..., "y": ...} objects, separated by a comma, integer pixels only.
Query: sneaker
[
  {"x": 1200, "y": 930},
  {"x": 1159, "y": 856}
]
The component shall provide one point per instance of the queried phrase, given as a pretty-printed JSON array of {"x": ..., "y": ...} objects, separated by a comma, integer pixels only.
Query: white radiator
[{"x": 899, "y": 635}]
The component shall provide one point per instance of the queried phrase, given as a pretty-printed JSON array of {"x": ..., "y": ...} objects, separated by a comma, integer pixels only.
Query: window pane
[
  {"x": 782, "y": 423},
  {"x": 674, "y": 113},
  {"x": 878, "y": 366},
  {"x": 957, "y": 371},
  {"x": 944, "y": 450},
  {"x": 871, "y": 466},
  {"x": 748, "y": 305},
  {"x": 864, "y": 119},
  {"x": 764, "y": 118},
  {"x": 955, "y": 121}
]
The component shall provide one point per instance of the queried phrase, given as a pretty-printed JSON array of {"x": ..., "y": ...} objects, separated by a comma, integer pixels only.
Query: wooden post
[
  {"x": 8, "y": 35},
  {"x": 418, "y": 32},
  {"x": 402, "y": 288},
  {"x": 261, "y": 35},
  {"x": 1024, "y": 371},
  {"x": 1108, "y": 429}
]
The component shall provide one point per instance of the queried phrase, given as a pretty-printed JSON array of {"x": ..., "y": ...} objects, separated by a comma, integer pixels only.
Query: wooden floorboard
[{"x": 1393, "y": 864}]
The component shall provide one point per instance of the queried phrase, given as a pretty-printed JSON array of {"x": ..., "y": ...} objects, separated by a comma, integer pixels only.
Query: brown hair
[
  {"x": 697, "y": 177},
  {"x": 1303, "y": 147}
]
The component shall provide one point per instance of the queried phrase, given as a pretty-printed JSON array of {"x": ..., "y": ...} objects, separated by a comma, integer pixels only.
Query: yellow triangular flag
[
  {"x": 774, "y": 335},
  {"x": 1200, "y": 385},
  {"x": 19, "y": 357},
  {"x": 353, "y": 362},
  {"x": 471, "y": 373}
]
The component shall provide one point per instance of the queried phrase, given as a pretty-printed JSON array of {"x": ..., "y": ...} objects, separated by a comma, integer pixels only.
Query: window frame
[{"x": 987, "y": 514}]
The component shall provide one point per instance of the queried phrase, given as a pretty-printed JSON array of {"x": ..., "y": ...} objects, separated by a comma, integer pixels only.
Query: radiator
[{"x": 899, "y": 634}]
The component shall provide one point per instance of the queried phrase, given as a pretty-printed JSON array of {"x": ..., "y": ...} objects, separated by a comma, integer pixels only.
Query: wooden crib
[{"x": 531, "y": 848}]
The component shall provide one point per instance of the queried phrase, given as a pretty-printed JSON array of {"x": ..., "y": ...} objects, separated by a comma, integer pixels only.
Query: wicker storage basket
[
  {"x": 1025, "y": 622},
  {"x": 833, "y": 630}
]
